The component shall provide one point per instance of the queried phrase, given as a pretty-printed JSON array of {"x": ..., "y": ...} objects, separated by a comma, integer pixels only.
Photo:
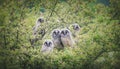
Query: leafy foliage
[{"x": 97, "y": 44}]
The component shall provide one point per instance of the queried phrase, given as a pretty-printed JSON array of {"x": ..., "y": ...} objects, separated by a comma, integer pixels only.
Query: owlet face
[
  {"x": 48, "y": 43},
  {"x": 76, "y": 27},
  {"x": 65, "y": 33},
  {"x": 56, "y": 34},
  {"x": 40, "y": 20}
]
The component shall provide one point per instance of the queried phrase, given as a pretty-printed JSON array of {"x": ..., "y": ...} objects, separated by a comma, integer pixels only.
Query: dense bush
[{"x": 97, "y": 45}]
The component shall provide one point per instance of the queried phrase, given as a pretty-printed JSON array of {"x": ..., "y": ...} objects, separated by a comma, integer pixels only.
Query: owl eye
[
  {"x": 62, "y": 32},
  {"x": 54, "y": 32},
  {"x": 50, "y": 43},
  {"x": 45, "y": 43},
  {"x": 58, "y": 32},
  {"x": 77, "y": 27},
  {"x": 66, "y": 31}
]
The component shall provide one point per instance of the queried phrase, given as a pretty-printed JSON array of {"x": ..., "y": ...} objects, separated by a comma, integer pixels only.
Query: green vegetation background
[{"x": 98, "y": 44}]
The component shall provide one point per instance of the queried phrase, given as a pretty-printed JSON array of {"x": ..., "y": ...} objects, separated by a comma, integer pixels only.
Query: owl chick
[
  {"x": 47, "y": 46},
  {"x": 66, "y": 38},
  {"x": 56, "y": 38},
  {"x": 38, "y": 23},
  {"x": 76, "y": 29}
]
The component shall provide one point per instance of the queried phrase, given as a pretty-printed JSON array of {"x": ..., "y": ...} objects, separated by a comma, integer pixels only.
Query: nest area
[{"x": 96, "y": 43}]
